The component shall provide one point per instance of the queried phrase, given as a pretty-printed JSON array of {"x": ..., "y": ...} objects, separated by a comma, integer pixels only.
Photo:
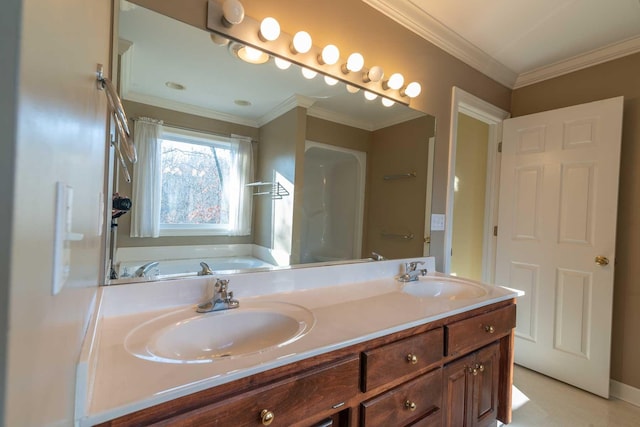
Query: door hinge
[
  {"x": 495, "y": 230},
  {"x": 499, "y": 147}
]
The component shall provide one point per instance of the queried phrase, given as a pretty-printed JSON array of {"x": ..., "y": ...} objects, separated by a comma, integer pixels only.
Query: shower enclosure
[{"x": 333, "y": 203}]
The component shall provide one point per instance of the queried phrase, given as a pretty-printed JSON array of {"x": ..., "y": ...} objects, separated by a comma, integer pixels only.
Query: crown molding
[
  {"x": 189, "y": 109},
  {"x": 579, "y": 62},
  {"x": 415, "y": 19},
  {"x": 286, "y": 105}
]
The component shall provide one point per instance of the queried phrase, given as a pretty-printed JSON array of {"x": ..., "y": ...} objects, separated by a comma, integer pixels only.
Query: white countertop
[{"x": 351, "y": 304}]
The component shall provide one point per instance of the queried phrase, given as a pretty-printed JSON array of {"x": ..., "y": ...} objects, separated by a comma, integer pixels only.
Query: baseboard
[{"x": 624, "y": 392}]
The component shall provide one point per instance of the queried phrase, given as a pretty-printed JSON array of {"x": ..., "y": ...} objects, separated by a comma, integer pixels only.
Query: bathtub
[{"x": 192, "y": 266}]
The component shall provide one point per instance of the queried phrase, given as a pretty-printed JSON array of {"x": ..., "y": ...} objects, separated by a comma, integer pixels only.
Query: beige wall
[
  {"x": 468, "y": 201},
  {"x": 61, "y": 137},
  {"x": 382, "y": 41},
  {"x": 277, "y": 154},
  {"x": 614, "y": 78},
  {"x": 189, "y": 121},
  {"x": 398, "y": 206}
]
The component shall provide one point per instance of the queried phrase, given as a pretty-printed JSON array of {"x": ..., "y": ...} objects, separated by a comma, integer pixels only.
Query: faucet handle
[
  {"x": 411, "y": 266},
  {"x": 222, "y": 285}
]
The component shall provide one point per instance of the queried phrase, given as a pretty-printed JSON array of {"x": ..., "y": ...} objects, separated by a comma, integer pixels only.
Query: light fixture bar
[{"x": 248, "y": 32}]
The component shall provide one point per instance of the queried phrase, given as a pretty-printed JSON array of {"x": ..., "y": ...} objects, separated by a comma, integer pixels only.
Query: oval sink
[
  {"x": 444, "y": 288},
  {"x": 185, "y": 336}
]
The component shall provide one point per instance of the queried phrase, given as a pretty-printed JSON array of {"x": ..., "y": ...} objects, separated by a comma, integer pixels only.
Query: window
[{"x": 203, "y": 184}]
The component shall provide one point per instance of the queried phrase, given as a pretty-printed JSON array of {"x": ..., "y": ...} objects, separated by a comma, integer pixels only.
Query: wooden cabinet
[
  {"x": 455, "y": 371},
  {"x": 472, "y": 385},
  {"x": 403, "y": 358},
  {"x": 419, "y": 398}
]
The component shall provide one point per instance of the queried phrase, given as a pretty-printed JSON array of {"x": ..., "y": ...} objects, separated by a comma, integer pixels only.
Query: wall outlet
[{"x": 437, "y": 222}]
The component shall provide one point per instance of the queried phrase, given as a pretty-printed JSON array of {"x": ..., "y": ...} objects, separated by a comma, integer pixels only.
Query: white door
[{"x": 557, "y": 215}]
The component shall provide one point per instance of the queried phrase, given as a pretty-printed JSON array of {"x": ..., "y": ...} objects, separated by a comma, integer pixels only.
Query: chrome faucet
[
  {"x": 377, "y": 257},
  {"x": 144, "y": 270},
  {"x": 411, "y": 272},
  {"x": 222, "y": 300},
  {"x": 206, "y": 271}
]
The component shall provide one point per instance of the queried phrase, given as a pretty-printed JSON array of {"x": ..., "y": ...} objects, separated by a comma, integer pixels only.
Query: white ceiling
[{"x": 520, "y": 42}]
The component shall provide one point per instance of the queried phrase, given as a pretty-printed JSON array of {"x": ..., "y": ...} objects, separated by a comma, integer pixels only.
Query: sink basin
[
  {"x": 444, "y": 288},
  {"x": 185, "y": 336}
]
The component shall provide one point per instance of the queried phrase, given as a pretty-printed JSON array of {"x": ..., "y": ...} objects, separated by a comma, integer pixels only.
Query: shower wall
[{"x": 333, "y": 199}]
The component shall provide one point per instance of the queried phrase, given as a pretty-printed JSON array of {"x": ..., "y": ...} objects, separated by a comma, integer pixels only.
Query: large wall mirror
[{"x": 255, "y": 166}]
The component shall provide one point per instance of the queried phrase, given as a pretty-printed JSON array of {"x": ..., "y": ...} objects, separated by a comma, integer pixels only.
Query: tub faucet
[
  {"x": 144, "y": 270},
  {"x": 206, "y": 271},
  {"x": 222, "y": 300},
  {"x": 411, "y": 272}
]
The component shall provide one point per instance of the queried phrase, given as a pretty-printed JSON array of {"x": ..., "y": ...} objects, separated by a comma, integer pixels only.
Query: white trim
[
  {"x": 579, "y": 62},
  {"x": 426, "y": 249},
  {"x": 187, "y": 108},
  {"x": 464, "y": 102},
  {"x": 624, "y": 392},
  {"x": 417, "y": 20},
  {"x": 322, "y": 113},
  {"x": 288, "y": 104}
]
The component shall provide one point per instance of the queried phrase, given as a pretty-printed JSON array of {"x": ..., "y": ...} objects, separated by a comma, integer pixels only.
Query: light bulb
[
  {"x": 355, "y": 62},
  {"x": 301, "y": 42},
  {"x": 308, "y": 74},
  {"x": 370, "y": 95},
  {"x": 387, "y": 102},
  {"x": 232, "y": 13},
  {"x": 219, "y": 40},
  {"x": 395, "y": 82},
  {"x": 252, "y": 54},
  {"x": 375, "y": 74},
  {"x": 269, "y": 29},
  {"x": 412, "y": 90},
  {"x": 283, "y": 64},
  {"x": 330, "y": 80},
  {"x": 330, "y": 55},
  {"x": 352, "y": 89}
]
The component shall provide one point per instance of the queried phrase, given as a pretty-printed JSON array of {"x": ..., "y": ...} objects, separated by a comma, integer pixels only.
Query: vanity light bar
[{"x": 323, "y": 60}]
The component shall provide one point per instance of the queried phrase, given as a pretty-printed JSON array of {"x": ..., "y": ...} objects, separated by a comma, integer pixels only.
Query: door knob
[{"x": 602, "y": 260}]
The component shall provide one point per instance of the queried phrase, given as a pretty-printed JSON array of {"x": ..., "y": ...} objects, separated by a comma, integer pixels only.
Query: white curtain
[
  {"x": 147, "y": 179},
  {"x": 240, "y": 196}
]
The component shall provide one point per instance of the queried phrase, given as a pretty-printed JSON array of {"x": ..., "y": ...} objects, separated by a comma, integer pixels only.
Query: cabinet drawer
[
  {"x": 469, "y": 334},
  {"x": 394, "y": 408},
  {"x": 289, "y": 401},
  {"x": 404, "y": 357}
]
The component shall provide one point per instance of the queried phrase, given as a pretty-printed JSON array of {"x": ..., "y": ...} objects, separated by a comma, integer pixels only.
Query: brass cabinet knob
[
  {"x": 410, "y": 405},
  {"x": 473, "y": 370},
  {"x": 266, "y": 416},
  {"x": 481, "y": 367},
  {"x": 602, "y": 260},
  {"x": 412, "y": 358},
  {"x": 490, "y": 329}
]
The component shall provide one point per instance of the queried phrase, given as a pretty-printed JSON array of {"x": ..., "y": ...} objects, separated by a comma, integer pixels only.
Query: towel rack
[
  {"x": 276, "y": 190},
  {"x": 400, "y": 176},
  {"x": 408, "y": 236},
  {"x": 115, "y": 104}
]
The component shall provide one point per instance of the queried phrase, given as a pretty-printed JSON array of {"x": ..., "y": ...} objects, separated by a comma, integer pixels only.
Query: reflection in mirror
[{"x": 253, "y": 166}]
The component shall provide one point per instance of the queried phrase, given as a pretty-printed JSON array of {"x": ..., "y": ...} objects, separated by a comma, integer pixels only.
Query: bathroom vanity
[{"x": 437, "y": 351}]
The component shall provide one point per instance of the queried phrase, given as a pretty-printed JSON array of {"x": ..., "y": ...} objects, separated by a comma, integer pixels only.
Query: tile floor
[{"x": 542, "y": 401}]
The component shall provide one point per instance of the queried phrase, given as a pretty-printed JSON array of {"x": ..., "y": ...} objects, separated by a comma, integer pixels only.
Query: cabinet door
[
  {"x": 457, "y": 392},
  {"x": 485, "y": 385}
]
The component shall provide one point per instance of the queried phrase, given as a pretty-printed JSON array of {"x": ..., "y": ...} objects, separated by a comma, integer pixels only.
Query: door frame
[
  {"x": 464, "y": 102},
  {"x": 427, "y": 210}
]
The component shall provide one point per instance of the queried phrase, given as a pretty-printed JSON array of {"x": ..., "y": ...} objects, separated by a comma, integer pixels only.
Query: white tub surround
[{"x": 352, "y": 303}]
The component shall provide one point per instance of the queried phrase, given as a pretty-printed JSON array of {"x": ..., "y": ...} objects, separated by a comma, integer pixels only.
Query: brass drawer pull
[
  {"x": 266, "y": 416},
  {"x": 410, "y": 405},
  {"x": 490, "y": 329},
  {"x": 412, "y": 358}
]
